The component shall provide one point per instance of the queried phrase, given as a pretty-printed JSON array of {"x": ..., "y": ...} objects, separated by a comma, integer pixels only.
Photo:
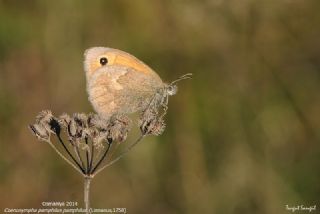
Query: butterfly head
[{"x": 172, "y": 88}]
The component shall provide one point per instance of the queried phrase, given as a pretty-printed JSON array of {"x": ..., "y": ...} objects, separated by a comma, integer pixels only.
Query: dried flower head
[
  {"x": 76, "y": 127},
  {"x": 99, "y": 122},
  {"x": 151, "y": 123},
  {"x": 157, "y": 127},
  {"x": 44, "y": 118},
  {"x": 98, "y": 130},
  {"x": 40, "y": 131},
  {"x": 99, "y": 139},
  {"x": 64, "y": 120},
  {"x": 118, "y": 128}
]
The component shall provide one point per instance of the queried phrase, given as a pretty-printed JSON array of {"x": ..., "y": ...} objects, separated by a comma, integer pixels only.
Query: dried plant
[{"x": 92, "y": 140}]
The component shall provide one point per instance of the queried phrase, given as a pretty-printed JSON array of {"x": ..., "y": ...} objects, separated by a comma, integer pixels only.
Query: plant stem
[
  {"x": 102, "y": 158},
  {"x": 91, "y": 158},
  {"x": 70, "y": 155},
  {"x": 87, "y": 156},
  {"x": 87, "y": 181},
  {"x": 76, "y": 151}
]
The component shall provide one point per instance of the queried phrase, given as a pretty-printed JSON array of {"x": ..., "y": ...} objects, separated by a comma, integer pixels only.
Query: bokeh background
[{"x": 242, "y": 136}]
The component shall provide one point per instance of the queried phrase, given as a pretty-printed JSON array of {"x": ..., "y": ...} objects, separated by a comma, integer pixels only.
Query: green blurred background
[{"x": 242, "y": 136}]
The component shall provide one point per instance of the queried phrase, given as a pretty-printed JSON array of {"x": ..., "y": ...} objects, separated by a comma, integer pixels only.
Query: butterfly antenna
[{"x": 183, "y": 77}]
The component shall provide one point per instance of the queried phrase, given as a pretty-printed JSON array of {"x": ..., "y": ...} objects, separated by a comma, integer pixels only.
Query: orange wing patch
[{"x": 131, "y": 62}]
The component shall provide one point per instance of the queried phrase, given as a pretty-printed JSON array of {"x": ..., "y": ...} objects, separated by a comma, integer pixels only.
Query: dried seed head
[
  {"x": 90, "y": 118},
  {"x": 97, "y": 130},
  {"x": 64, "y": 120},
  {"x": 150, "y": 123},
  {"x": 81, "y": 119},
  {"x": 74, "y": 131},
  {"x": 152, "y": 126},
  {"x": 119, "y": 128},
  {"x": 40, "y": 131},
  {"x": 100, "y": 139},
  {"x": 44, "y": 116},
  {"x": 157, "y": 127},
  {"x": 48, "y": 121},
  {"x": 99, "y": 122},
  {"x": 77, "y": 126}
]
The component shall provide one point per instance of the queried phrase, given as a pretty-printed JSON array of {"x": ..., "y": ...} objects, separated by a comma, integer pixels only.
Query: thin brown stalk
[
  {"x": 76, "y": 151},
  {"x": 102, "y": 158},
  {"x": 115, "y": 147},
  {"x": 69, "y": 153},
  {"x": 87, "y": 156},
  {"x": 91, "y": 158},
  {"x": 87, "y": 182}
]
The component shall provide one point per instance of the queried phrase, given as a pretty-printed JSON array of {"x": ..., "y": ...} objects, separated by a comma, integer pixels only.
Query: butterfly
[{"x": 119, "y": 83}]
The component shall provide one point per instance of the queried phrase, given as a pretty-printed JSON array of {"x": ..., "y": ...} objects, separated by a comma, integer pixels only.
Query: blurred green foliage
[{"x": 242, "y": 135}]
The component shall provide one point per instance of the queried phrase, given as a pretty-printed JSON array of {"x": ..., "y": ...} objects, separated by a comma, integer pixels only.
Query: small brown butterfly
[{"x": 119, "y": 83}]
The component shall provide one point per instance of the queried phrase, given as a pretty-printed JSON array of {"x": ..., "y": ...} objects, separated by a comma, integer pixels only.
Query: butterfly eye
[
  {"x": 172, "y": 90},
  {"x": 103, "y": 61}
]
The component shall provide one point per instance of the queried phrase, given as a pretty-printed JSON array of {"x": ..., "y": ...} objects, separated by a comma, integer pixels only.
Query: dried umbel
[
  {"x": 92, "y": 134},
  {"x": 90, "y": 138}
]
